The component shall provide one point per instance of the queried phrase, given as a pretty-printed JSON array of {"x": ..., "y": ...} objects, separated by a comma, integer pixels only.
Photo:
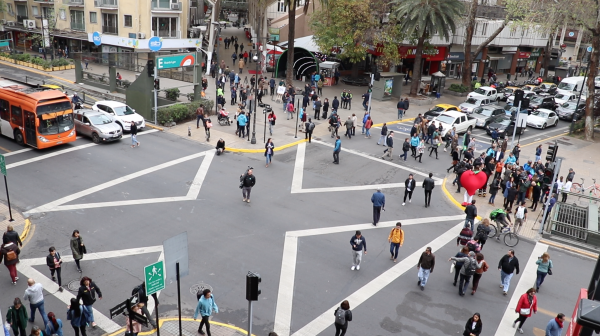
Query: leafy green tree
[{"x": 425, "y": 18}]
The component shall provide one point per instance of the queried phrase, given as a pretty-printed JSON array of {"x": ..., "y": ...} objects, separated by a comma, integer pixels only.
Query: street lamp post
[
  {"x": 217, "y": 30},
  {"x": 255, "y": 88}
]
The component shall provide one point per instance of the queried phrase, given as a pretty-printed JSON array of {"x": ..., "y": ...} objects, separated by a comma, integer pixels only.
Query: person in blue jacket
[
  {"x": 54, "y": 325},
  {"x": 555, "y": 326},
  {"x": 414, "y": 142},
  {"x": 337, "y": 149},
  {"x": 77, "y": 315},
  {"x": 242, "y": 120},
  {"x": 206, "y": 305},
  {"x": 378, "y": 200}
]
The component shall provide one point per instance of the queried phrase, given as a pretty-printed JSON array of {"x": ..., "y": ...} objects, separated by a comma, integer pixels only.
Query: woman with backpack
[
  {"x": 483, "y": 267},
  {"x": 343, "y": 315},
  {"x": 468, "y": 269},
  {"x": 483, "y": 229}
]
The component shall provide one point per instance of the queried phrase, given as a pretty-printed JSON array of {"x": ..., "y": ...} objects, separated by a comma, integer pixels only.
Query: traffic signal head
[
  {"x": 150, "y": 68},
  {"x": 157, "y": 84},
  {"x": 551, "y": 153},
  {"x": 548, "y": 176},
  {"x": 252, "y": 286},
  {"x": 378, "y": 76}
]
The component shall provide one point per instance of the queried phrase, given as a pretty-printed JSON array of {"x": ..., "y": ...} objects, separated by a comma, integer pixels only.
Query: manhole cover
[
  {"x": 199, "y": 288},
  {"x": 73, "y": 285}
]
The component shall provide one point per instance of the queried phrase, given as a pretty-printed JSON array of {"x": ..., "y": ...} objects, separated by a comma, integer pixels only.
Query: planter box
[
  {"x": 29, "y": 65},
  {"x": 55, "y": 68},
  {"x": 421, "y": 102},
  {"x": 454, "y": 93},
  {"x": 62, "y": 67}
]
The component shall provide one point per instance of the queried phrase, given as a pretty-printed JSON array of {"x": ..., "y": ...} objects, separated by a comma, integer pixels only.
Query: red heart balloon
[{"x": 473, "y": 181}]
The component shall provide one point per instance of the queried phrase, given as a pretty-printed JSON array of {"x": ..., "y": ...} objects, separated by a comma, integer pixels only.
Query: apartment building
[{"x": 123, "y": 25}]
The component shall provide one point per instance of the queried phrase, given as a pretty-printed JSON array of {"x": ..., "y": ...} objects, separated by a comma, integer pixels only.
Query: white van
[{"x": 572, "y": 85}]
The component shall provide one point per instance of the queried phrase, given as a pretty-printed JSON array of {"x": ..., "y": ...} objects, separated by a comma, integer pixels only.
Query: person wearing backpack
[
  {"x": 520, "y": 215},
  {"x": 482, "y": 267},
  {"x": 483, "y": 230},
  {"x": 494, "y": 187},
  {"x": 10, "y": 253},
  {"x": 464, "y": 236},
  {"x": 140, "y": 291},
  {"x": 206, "y": 306},
  {"x": 343, "y": 315},
  {"x": 471, "y": 212},
  {"x": 466, "y": 272},
  {"x": 309, "y": 127},
  {"x": 464, "y": 252},
  {"x": 396, "y": 240}
]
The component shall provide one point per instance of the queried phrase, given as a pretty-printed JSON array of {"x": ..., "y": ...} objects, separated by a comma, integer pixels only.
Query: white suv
[{"x": 121, "y": 113}]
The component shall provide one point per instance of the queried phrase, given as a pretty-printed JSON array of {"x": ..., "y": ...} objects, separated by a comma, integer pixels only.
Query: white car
[
  {"x": 472, "y": 103},
  {"x": 542, "y": 118},
  {"x": 561, "y": 98},
  {"x": 527, "y": 94},
  {"x": 121, "y": 113},
  {"x": 485, "y": 92}
]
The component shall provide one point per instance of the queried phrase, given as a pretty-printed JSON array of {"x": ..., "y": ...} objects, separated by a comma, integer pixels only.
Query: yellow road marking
[
  {"x": 394, "y": 122},
  {"x": 4, "y": 149},
  {"x": 449, "y": 196},
  {"x": 168, "y": 319},
  {"x": 552, "y": 137}
]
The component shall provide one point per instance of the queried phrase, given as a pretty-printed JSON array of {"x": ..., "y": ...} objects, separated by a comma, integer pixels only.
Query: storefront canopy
[{"x": 306, "y": 43}]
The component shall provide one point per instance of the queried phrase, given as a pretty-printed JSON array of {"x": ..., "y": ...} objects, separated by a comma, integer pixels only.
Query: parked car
[
  {"x": 471, "y": 103},
  {"x": 485, "y": 114},
  {"x": 507, "y": 92},
  {"x": 567, "y": 111},
  {"x": 485, "y": 92},
  {"x": 504, "y": 125},
  {"x": 548, "y": 88},
  {"x": 561, "y": 98},
  {"x": 439, "y": 108},
  {"x": 542, "y": 118},
  {"x": 526, "y": 94},
  {"x": 542, "y": 101},
  {"x": 97, "y": 125},
  {"x": 121, "y": 113},
  {"x": 461, "y": 121},
  {"x": 531, "y": 88}
]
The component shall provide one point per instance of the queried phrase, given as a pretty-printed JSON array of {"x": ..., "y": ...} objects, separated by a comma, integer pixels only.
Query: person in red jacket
[{"x": 527, "y": 304}]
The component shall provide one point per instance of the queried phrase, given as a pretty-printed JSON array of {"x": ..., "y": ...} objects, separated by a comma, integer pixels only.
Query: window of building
[
  {"x": 93, "y": 17},
  {"x": 48, "y": 12},
  {"x": 35, "y": 11},
  {"x": 164, "y": 27},
  {"x": 513, "y": 32},
  {"x": 544, "y": 35},
  {"x": 484, "y": 27},
  {"x": 62, "y": 14},
  {"x": 9, "y": 9},
  {"x": 77, "y": 20},
  {"x": 21, "y": 12},
  {"x": 128, "y": 22},
  {"x": 282, "y": 6},
  {"x": 110, "y": 23}
]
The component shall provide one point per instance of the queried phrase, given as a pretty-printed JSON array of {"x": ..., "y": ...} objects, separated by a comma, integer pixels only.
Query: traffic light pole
[
  {"x": 546, "y": 214},
  {"x": 371, "y": 93},
  {"x": 155, "y": 93},
  {"x": 512, "y": 143},
  {"x": 249, "y": 318}
]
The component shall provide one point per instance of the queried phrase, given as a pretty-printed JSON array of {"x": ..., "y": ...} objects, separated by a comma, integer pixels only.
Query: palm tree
[{"x": 425, "y": 18}]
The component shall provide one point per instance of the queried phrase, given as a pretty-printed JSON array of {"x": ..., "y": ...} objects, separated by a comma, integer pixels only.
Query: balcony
[
  {"x": 78, "y": 26},
  {"x": 110, "y": 30},
  {"x": 73, "y": 2},
  {"x": 162, "y": 5},
  {"x": 110, "y": 4}
]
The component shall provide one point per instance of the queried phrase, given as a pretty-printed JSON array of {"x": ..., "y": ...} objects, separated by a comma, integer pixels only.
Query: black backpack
[{"x": 471, "y": 268}]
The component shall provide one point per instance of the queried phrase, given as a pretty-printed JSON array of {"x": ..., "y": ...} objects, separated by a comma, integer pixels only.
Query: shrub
[
  {"x": 172, "y": 94},
  {"x": 182, "y": 111},
  {"x": 37, "y": 61},
  {"x": 458, "y": 88}
]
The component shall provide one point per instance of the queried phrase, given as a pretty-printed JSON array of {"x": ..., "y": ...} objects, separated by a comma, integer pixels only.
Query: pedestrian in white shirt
[
  {"x": 565, "y": 189},
  {"x": 35, "y": 294}
]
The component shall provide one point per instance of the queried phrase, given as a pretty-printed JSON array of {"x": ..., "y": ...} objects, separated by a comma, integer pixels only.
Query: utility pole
[
  {"x": 257, "y": 61},
  {"x": 572, "y": 126}
]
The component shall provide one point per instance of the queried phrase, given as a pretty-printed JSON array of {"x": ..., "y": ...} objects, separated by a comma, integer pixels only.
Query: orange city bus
[{"x": 35, "y": 116}]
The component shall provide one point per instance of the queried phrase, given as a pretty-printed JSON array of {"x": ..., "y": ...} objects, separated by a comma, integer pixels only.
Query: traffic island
[{"x": 169, "y": 326}]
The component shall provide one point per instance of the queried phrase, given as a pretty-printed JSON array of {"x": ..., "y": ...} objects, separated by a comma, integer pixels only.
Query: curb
[
  {"x": 570, "y": 249},
  {"x": 451, "y": 198},
  {"x": 244, "y": 150},
  {"x": 155, "y": 127},
  {"x": 170, "y": 319},
  {"x": 26, "y": 230},
  {"x": 394, "y": 122}
]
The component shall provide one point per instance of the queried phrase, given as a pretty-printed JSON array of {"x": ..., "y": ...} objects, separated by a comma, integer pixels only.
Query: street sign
[
  {"x": 143, "y": 320},
  {"x": 96, "y": 38},
  {"x": 175, "y": 61},
  {"x": 4, "y": 43},
  {"x": 589, "y": 49},
  {"x": 2, "y": 165},
  {"x": 155, "y": 277},
  {"x": 155, "y": 43},
  {"x": 176, "y": 251},
  {"x": 120, "y": 308}
]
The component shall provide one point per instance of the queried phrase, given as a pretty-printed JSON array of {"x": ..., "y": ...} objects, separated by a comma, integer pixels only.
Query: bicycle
[
  {"x": 511, "y": 239},
  {"x": 580, "y": 188}
]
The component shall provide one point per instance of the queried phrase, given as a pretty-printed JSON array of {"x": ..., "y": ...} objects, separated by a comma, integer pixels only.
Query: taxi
[
  {"x": 508, "y": 91},
  {"x": 439, "y": 108}
]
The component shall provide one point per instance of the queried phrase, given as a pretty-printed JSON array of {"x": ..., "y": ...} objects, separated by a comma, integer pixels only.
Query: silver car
[
  {"x": 471, "y": 103},
  {"x": 97, "y": 125}
]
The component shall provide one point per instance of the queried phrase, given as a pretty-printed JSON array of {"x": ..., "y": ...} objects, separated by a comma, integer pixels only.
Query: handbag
[
  {"x": 452, "y": 266},
  {"x": 526, "y": 311},
  {"x": 549, "y": 271}
]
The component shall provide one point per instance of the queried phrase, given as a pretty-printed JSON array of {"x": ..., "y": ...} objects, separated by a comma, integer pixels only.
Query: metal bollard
[{"x": 189, "y": 131}]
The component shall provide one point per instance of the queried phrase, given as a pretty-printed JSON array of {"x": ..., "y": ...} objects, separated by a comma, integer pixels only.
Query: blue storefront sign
[
  {"x": 97, "y": 38},
  {"x": 155, "y": 43}
]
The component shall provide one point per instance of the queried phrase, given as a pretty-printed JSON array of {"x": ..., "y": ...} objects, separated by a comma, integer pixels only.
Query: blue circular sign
[
  {"x": 97, "y": 38},
  {"x": 155, "y": 43},
  {"x": 571, "y": 34},
  {"x": 589, "y": 49}
]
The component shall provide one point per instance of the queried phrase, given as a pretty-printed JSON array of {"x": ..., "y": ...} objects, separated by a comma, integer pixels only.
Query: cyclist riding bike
[{"x": 500, "y": 216}]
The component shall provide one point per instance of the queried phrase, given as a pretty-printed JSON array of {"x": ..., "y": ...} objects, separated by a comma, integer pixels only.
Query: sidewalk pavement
[
  {"x": 170, "y": 327},
  {"x": 578, "y": 154},
  {"x": 19, "y": 223}
]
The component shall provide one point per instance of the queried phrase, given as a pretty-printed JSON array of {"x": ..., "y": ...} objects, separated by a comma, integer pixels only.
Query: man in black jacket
[
  {"x": 428, "y": 185},
  {"x": 54, "y": 262},
  {"x": 507, "y": 266},
  {"x": 384, "y": 130},
  {"x": 405, "y": 148},
  {"x": 409, "y": 187},
  {"x": 140, "y": 291},
  {"x": 248, "y": 182},
  {"x": 471, "y": 211},
  {"x": 11, "y": 236},
  {"x": 335, "y": 104},
  {"x": 389, "y": 141}
]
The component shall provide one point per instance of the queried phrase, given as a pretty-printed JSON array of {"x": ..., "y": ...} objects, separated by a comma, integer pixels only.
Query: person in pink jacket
[{"x": 527, "y": 305}]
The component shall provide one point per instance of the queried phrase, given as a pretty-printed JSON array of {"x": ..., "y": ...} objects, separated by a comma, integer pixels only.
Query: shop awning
[
  {"x": 306, "y": 42},
  {"x": 496, "y": 57},
  {"x": 456, "y": 56}
]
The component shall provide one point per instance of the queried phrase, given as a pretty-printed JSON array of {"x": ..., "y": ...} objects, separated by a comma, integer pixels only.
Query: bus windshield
[{"x": 55, "y": 125}]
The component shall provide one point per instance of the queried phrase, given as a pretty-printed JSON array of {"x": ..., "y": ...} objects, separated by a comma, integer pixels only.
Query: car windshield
[
  {"x": 100, "y": 119},
  {"x": 536, "y": 100},
  {"x": 540, "y": 114},
  {"x": 508, "y": 90},
  {"x": 483, "y": 112},
  {"x": 446, "y": 119},
  {"x": 502, "y": 121},
  {"x": 471, "y": 101},
  {"x": 569, "y": 106},
  {"x": 437, "y": 109},
  {"x": 123, "y": 110},
  {"x": 566, "y": 86},
  {"x": 481, "y": 91}
]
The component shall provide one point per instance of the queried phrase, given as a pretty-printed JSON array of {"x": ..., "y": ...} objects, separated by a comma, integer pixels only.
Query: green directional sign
[
  {"x": 2, "y": 165},
  {"x": 175, "y": 61},
  {"x": 155, "y": 277}
]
